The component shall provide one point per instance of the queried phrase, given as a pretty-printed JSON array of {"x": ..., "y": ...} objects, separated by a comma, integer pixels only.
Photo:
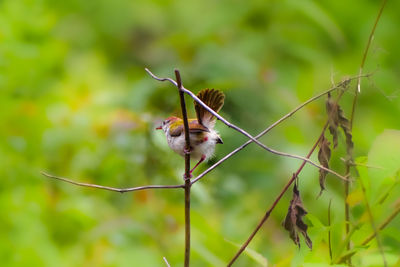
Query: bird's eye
[{"x": 163, "y": 123}]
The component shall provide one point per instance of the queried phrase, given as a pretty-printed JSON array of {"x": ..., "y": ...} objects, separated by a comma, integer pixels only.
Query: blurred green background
[{"x": 75, "y": 101}]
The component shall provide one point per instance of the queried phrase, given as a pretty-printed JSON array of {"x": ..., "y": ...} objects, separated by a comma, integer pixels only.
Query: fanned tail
[{"x": 212, "y": 98}]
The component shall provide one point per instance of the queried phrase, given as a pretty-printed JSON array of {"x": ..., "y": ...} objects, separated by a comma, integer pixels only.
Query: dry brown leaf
[
  {"x": 294, "y": 219},
  {"x": 333, "y": 119},
  {"x": 336, "y": 118},
  {"x": 324, "y": 155}
]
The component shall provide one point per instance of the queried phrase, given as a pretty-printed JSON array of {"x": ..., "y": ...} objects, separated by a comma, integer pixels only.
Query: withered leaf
[
  {"x": 333, "y": 119},
  {"x": 294, "y": 219},
  {"x": 336, "y": 118},
  {"x": 324, "y": 155},
  {"x": 345, "y": 125}
]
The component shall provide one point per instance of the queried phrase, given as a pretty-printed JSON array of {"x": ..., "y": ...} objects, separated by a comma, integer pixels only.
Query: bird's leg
[
  {"x": 203, "y": 157},
  {"x": 187, "y": 151}
]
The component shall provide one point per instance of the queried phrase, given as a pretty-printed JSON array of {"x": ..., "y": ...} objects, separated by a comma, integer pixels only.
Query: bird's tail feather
[{"x": 212, "y": 98}]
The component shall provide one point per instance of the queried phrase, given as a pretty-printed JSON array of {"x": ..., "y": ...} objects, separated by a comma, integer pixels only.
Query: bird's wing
[
  {"x": 194, "y": 127},
  {"x": 212, "y": 98}
]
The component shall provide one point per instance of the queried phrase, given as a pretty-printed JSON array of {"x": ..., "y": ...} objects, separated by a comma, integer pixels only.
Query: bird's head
[{"x": 167, "y": 123}]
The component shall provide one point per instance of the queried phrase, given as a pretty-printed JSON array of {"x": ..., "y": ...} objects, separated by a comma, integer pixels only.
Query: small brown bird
[{"x": 203, "y": 137}]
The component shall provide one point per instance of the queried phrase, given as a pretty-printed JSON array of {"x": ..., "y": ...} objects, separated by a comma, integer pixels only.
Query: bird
[{"x": 203, "y": 136}]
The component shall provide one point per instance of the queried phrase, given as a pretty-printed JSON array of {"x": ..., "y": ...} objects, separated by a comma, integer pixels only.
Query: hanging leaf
[
  {"x": 345, "y": 125},
  {"x": 294, "y": 219},
  {"x": 336, "y": 118},
  {"x": 324, "y": 155},
  {"x": 333, "y": 119}
]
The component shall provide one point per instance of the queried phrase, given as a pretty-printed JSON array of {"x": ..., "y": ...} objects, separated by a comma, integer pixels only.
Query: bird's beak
[{"x": 159, "y": 128}]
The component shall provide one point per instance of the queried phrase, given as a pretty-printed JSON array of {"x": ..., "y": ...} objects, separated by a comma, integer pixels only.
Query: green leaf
[{"x": 384, "y": 155}]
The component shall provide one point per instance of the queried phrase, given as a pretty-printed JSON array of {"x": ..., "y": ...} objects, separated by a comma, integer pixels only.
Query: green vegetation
[{"x": 75, "y": 101}]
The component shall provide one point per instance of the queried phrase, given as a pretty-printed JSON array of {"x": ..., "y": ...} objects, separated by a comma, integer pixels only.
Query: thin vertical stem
[
  {"x": 187, "y": 222},
  {"x": 329, "y": 231},
  {"x": 187, "y": 169},
  {"x": 357, "y": 91},
  {"x": 347, "y": 209}
]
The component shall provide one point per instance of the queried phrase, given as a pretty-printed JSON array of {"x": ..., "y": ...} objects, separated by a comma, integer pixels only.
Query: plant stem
[
  {"x": 187, "y": 168},
  {"x": 347, "y": 207},
  {"x": 329, "y": 231},
  {"x": 357, "y": 91},
  {"x": 187, "y": 222}
]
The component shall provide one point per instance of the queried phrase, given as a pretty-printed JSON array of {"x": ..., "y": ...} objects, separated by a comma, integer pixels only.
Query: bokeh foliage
[{"x": 75, "y": 101}]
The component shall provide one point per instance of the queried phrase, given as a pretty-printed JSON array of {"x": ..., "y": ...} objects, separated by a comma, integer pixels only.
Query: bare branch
[
  {"x": 244, "y": 132},
  {"x": 288, "y": 115},
  {"x": 119, "y": 190}
]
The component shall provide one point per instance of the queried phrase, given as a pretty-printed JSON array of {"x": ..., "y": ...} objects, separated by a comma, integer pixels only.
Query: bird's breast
[{"x": 202, "y": 143}]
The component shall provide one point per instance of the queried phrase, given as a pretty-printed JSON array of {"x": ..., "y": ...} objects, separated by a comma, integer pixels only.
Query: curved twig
[{"x": 119, "y": 190}]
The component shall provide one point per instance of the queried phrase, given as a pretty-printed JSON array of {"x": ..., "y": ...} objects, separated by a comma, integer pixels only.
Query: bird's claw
[
  {"x": 185, "y": 177},
  {"x": 187, "y": 151}
]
